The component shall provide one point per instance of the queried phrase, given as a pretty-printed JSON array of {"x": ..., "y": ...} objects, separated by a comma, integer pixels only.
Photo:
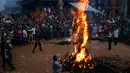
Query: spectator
[
  {"x": 109, "y": 40},
  {"x": 19, "y": 34},
  {"x": 94, "y": 30},
  {"x": 30, "y": 36},
  {"x": 51, "y": 32},
  {"x": 116, "y": 34},
  {"x": 100, "y": 37},
  {"x": 25, "y": 36},
  {"x": 37, "y": 42},
  {"x": 57, "y": 66}
]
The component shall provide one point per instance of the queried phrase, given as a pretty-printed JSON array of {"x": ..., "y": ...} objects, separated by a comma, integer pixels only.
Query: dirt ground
[{"x": 41, "y": 62}]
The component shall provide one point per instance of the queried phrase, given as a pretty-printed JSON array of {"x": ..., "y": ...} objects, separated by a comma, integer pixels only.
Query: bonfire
[{"x": 80, "y": 59}]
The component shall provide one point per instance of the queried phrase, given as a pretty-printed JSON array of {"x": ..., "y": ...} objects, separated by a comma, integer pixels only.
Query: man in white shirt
[
  {"x": 33, "y": 34},
  {"x": 51, "y": 32},
  {"x": 25, "y": 36},
  {"x": 116, "y": 34}
]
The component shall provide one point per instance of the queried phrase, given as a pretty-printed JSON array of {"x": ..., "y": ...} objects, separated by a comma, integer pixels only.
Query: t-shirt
[
  {"x": 6, "y": 56},
  {"x": 116, "y": 33},
  {"x": 19, "y": 34},
  {"x": 33, "y": 30},
  {"x": 24, "y": 33}
]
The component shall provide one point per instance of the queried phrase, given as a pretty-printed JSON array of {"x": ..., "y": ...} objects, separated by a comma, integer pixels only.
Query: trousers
[
  {"x": 37, "y": 43},
  {"x": 9, "y": 62},
  {"x": 109, "y": 43}
]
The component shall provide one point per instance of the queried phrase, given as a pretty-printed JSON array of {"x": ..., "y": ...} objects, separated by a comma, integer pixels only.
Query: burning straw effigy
[{"x": 80, "y": 61}]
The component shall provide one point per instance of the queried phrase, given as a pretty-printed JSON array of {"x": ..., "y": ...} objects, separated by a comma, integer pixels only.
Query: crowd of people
[{"x": 25, "y": 27}]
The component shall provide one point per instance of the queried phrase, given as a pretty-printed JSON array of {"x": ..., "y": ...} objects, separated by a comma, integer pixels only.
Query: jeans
[
  {"x": 51, "y": 35},
  {"x": 33, "y": 37},
  {"x": 25, "y": 41},
  {"x": 115, "y": 41},
  {"x": 37, "y": 43}
]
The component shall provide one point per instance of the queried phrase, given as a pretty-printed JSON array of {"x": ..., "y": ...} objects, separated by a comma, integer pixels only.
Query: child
[{"x": 57, "y": 66}]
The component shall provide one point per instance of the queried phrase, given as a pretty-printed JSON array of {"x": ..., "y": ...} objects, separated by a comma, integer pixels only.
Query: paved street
[{"x": 40, "y": 62}]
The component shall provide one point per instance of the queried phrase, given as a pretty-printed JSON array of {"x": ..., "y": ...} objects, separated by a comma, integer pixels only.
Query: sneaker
[
  {"x": 14, "y": 67},
  {"x": 40, "y": 49},
  {"x": 109, "y": 49}
]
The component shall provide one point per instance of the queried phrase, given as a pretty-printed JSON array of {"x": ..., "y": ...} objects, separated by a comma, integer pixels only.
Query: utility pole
[{"x": 60, "y": 4}]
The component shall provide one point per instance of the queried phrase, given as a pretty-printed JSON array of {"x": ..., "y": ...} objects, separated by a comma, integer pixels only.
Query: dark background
[{"x": 31, "y": 6}]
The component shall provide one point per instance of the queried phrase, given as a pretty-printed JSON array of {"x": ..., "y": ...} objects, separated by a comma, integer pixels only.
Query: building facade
[{"x": 114, "y": 6}]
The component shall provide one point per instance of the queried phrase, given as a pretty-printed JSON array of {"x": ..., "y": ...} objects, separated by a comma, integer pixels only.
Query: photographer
[
  {"x": 8, "y": 54},
  {"x": 57, "y": 65}
]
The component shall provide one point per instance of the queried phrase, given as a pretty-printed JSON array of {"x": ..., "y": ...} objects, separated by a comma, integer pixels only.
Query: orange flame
[{"x": 80, "y": 27}]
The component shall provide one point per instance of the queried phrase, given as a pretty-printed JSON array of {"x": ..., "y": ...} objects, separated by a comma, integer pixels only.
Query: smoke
[
  {"x": 2, "y": 4},
  {"x": 7, "y": 3},
  {"x": 11, "y": 1}
]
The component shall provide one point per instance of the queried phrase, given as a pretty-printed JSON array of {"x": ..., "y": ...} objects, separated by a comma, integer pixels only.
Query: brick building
[
  {"x": 111, "y": 6},
  {"x": 114, "y": 6}
]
